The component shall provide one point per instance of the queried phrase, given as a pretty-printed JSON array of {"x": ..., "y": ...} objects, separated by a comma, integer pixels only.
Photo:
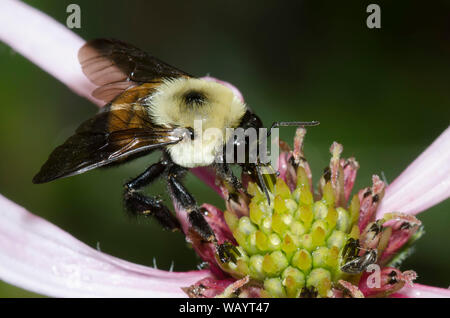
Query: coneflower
[{"x": 308, "y": 242}]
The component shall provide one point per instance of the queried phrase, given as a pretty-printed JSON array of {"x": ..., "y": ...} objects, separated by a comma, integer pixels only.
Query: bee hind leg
[
  {"x": 226, "y": 252},
  {"x": 138, "y": 204}
]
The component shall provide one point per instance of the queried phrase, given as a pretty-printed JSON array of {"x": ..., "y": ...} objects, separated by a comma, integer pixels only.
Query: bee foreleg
[{"x": 233, "y": 184}]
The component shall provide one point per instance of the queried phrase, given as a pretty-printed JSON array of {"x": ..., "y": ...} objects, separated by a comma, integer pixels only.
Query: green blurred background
[{"x": 383, "y": 93}]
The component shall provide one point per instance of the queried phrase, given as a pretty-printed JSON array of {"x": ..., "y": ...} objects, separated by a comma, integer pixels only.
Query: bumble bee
[{"x": 151, "y": 105}]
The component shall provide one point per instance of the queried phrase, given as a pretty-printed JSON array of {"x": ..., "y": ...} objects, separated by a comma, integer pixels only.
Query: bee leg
[
  {"x": 139, "y": 204},
  {"x": 148, "y": 176},
  {"x": 233, "y": 184},
  {"x": 185, "y": 200}
]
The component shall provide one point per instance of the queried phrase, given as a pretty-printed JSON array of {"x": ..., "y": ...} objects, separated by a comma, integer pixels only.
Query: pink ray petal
[
  {"x": 45, "y": 42},
  {"x": 422, "y": 291},
  {"x": 38, "y": 256},
  {"x": 424, "y": 183}
]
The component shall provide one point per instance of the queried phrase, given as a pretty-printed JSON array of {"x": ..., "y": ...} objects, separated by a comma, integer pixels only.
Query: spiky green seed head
[{"x": 295, "y": 242}]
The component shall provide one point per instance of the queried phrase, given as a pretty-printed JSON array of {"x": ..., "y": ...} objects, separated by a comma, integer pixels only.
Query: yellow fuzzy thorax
[
  {"x": 222, "y": 108},
  {"x": 219, "y": 110}
]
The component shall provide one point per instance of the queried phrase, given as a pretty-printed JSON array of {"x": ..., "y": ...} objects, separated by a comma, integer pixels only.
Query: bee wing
[
  {"x": 118, "y": 132},
  {"x": 116, "y": 66}
]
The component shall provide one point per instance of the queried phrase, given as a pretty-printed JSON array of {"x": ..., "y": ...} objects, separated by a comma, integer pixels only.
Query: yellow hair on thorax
[{"x": 220, "y": 109}]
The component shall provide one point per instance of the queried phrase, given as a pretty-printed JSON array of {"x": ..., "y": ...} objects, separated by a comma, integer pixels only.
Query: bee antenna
[
  {"x": 263, "y": 184},
  {"x": 294, "y": 123}
]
